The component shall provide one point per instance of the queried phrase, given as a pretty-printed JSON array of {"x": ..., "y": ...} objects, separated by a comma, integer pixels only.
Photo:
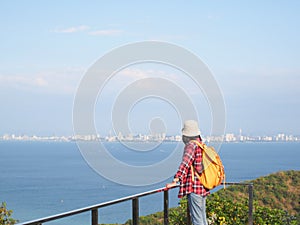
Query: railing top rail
[
  {"x": 101, "y": 205},
  {"x": 89, "y": 208}
]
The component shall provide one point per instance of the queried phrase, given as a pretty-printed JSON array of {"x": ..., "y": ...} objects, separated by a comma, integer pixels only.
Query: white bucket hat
[{"x": 190, "y": 128}]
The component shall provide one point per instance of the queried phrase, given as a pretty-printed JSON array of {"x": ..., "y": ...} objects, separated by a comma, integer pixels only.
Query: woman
[{"x": 191, "y": 187}]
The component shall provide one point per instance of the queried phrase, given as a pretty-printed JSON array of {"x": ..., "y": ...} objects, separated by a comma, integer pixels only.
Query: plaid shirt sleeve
[{"x": 192, "y": 155}]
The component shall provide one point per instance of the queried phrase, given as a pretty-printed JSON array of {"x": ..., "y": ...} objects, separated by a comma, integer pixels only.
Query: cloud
[
  {"x": 127, "y": 76},
  {"x": 105, "y": 32},
  {"x": 17, "y": 81},
  {"x": 62, "y": 81},
  {"x": 73, "y": 29},
  {"x": 89, "y": 31},
  {"x": 40, "y": 82}
]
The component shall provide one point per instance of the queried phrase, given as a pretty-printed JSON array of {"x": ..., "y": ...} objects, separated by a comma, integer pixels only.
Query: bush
[
  {"x": 178, "y": 215},
  {"x": 223, "y": 211},
  {"x": 5, "y": 215}
]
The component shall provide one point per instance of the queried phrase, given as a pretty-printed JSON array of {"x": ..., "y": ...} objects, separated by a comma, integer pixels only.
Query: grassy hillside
[
  {"x": 276, "y": 201},
  {"x": 277, "y": 191}
]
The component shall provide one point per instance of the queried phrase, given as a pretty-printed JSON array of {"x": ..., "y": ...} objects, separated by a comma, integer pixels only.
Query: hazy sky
[{"x": 251, "y": 47}]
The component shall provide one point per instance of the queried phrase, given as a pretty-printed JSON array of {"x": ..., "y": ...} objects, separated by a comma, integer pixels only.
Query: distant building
[{"x": 230, "y": 138}]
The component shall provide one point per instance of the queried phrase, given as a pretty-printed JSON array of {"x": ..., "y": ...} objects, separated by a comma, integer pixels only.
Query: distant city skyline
[
  {"x": 252, "y": 49},
  {"x": 228, "y": 137}
]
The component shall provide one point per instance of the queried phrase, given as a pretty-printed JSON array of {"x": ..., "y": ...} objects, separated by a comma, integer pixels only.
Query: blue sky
[{"x": 252, "y": 48}]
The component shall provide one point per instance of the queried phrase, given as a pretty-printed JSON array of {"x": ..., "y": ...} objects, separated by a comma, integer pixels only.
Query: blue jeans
[{"x": 197, "y": 206}]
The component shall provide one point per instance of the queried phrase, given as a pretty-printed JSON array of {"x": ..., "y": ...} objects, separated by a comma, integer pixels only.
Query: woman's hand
[
  {"x": 170, "y": 185},
  {"x": 173, "y": 184}
]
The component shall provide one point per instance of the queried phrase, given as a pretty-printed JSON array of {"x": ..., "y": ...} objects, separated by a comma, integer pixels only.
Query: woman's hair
[{"x": 187, "y": 139}]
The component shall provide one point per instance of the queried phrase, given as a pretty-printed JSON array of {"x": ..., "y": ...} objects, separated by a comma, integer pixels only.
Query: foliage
[
  {"x": 279, "y": 190},
  {"x": 275, "y": 191},
  {"x": 276, "y": 202},
  {"x": 178, "y": 215},
  {"x": 224, "y": 211},
  {"x": 5, "y": 215},
  {"x": 153, "y": 219},
  {"x": 265, "y": 215}
]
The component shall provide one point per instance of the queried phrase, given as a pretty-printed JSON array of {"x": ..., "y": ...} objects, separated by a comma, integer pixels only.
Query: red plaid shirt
[{"x": 192, "y": 155}]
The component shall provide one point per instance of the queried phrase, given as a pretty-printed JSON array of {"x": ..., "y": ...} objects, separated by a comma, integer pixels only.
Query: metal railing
[{"x": 135, "y": 207}]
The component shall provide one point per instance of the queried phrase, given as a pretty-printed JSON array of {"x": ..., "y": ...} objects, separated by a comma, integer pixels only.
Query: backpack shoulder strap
[
  {"x": 200, "y": 144},
  {"x": 209, "y": 152},
  {"x": 193, "y": 170}
]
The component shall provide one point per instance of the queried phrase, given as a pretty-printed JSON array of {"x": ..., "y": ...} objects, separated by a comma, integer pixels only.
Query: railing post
[
  {"x": 250, "y": 215},
  {"x": 166, "y": 207},
  {"x": 94, "y": 216},
  {"x": 135, "y": 211}
]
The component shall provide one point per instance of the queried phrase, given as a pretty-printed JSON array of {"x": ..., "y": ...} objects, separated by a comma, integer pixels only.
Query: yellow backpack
[{"x": 213, "y": 170}]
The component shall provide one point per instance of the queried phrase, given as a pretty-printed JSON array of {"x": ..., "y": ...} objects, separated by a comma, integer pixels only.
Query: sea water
[{"x": 39, "y": 179}]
